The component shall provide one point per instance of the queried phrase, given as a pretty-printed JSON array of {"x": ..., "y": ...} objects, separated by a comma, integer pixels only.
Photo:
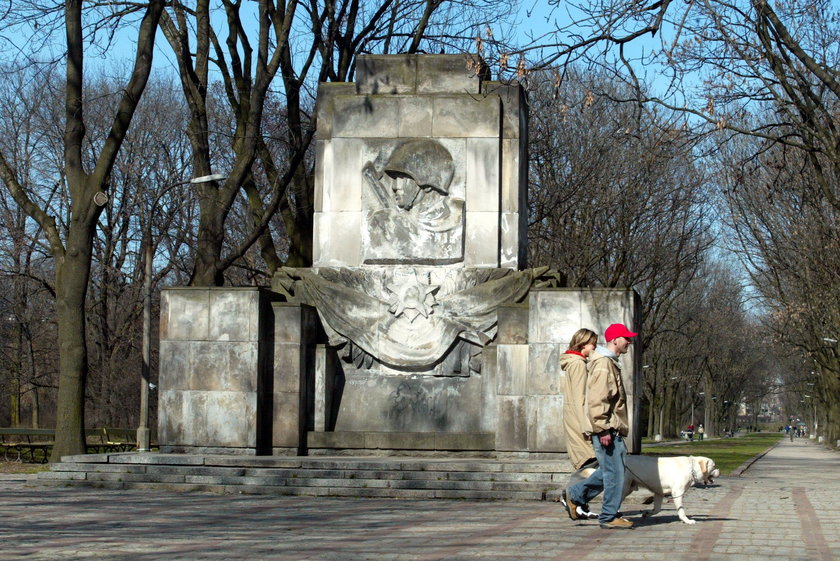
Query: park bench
[
  {"x": 96, "y": 441},
  {"x": 108, "y": 439},
  {"x": 34, "y": 445},
  {"x": 120, "y": 440},
  {"x": 22, "y": 444}
]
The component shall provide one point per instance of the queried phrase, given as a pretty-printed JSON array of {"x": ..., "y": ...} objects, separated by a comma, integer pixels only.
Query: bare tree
[
  {"x": 723, "y": 332},
  {"x": 615, "y": 201},
  {"x": 148, "y": 199},
  {"x": 31, "y": 142},
  {"x": 789, "y": 242},
  {"x": 699, "y": 370},
  {"x": 720, "y": 64},
  {"x": 748, "y": 69},
  {"x": 87, "y": 189},
  {"x": 146, "y": 195}
]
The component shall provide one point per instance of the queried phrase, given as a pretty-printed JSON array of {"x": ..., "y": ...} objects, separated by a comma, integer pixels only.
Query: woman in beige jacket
[{"x": 573, "y": 362}]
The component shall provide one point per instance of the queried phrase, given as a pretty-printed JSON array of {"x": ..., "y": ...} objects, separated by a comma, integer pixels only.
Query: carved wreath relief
[
  {"x": 409, "y": 319},
  {"x": 410, "y": 212}
]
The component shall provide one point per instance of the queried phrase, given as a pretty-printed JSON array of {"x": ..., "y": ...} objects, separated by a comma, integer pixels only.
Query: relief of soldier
[{"x": 412, "y": 203}]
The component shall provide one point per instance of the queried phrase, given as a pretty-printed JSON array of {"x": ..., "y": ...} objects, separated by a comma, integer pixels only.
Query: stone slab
[
  {"x": 415, "y": 117},
  {"x": 461, "y": 73},
  {"x": 386, "y": 74},
  {"x": 514, "y": 104},
  {"x": 512, "y": 427},
  {"x": 466, "y": 116},
  {"x": 408, "y": 403},
  {"x": 400, "y": 441},
  {"x": 233, "y": 315},
  {"x": 513, "y": 369},
  {"x": 208, "y": 418},
  {"x": 343, "y": 179},
  {"x": 481, "y": 246},
  {"x": 511, "y": 188},
  {"x": 546, "y": 431},
  {"x": 483, "y": 165},
  {"x": 184, "y": 314},
  {"x": 513, "y": 324},
  {"x": 337, "y": 239},
  {"x": 545, "y": 376},
  {"x": 325, "y": 108},
  {"x": 370, "y": 116}
]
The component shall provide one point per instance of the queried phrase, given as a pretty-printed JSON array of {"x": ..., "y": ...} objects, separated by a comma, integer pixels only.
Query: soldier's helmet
[{"x": 426, "y": 161}]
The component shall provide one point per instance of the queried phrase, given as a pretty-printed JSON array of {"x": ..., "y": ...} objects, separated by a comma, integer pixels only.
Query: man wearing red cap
[{"x": 606, "y": 411}]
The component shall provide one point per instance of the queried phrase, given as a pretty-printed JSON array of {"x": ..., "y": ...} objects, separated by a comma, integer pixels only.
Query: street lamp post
[{"x": 143, "y": 431}]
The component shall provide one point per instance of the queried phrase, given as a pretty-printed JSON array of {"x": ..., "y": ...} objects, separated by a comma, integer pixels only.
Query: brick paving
[{"x": 785, "y": 506}]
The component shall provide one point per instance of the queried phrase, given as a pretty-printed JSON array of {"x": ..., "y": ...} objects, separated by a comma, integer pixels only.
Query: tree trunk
[
  {"x": 709, "y": 414},
  {"x": 36, "y": 408},
  {"x": 14, "y": 400},
  {"x": 651, "y": 423},
  {"x": 16, "y": 374},
  {"x": 33, "y": 377},
  {"x": 211, "y": 235},
  {"x": 72, "y": 274}
]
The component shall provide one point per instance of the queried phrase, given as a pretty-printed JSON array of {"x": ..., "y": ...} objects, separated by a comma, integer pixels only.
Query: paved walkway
[{"x": 786, "y": 506}]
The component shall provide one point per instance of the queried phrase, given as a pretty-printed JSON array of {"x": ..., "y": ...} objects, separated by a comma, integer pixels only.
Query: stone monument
[{"x": 418, "y": 328}]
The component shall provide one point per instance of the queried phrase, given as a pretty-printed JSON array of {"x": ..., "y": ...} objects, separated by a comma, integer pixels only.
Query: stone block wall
[
  {"x": 290, "y": 390},
  {"x": 389, "y": 341},
  {"x": 529, "y": 378},
  {"x": 243, "y": 373},
  {"x": 211, "y": 368}
]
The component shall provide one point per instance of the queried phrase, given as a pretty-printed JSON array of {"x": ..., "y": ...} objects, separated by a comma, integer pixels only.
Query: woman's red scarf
[{"x": 571, "y": 352}]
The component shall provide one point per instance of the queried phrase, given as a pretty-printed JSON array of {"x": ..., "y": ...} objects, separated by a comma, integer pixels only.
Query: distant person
[
  {"x": 701, "y": 432},
  {"x": 608, "y": 425}
]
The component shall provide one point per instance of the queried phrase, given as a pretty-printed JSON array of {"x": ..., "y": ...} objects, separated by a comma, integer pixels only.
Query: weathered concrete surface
[
  {"x": 783, "y": 508},
  {"x": 446, "y": 100},
  {"x": 211, "y": 368}
]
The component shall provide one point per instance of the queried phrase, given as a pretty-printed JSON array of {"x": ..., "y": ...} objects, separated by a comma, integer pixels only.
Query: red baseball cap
[{"x": 617, "y": 330}]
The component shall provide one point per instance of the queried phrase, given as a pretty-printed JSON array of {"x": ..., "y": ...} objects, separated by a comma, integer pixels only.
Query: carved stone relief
[
  {"x": 414, "y": 320},
  {"x": 411, "y": 213}
]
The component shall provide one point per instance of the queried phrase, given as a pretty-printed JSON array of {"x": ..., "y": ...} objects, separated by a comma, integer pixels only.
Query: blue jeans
[{"x": 609, "y": 478}]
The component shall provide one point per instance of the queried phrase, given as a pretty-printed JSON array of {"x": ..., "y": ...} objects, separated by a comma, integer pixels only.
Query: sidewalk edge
[{"x": 739, "y": 471}]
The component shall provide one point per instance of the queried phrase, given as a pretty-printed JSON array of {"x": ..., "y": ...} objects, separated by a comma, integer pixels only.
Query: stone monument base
[{"x": 245, "y": 374}]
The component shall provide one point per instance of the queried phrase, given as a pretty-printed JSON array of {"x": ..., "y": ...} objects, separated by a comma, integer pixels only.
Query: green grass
[{"x": 728, "y": 453}]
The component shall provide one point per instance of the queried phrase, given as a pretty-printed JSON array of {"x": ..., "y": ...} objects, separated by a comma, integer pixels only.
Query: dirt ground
[{"x": 21, "y": 467}]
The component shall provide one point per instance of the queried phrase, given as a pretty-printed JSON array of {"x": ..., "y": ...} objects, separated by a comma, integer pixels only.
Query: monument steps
[{"x": 396, "y": 477}]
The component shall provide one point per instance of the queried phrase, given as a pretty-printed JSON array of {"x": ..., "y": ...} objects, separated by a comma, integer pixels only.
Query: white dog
[{"x": 662, "y": 476}]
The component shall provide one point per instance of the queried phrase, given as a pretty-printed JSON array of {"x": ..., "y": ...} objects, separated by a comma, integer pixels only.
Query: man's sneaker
[
  {"x": 571, "y": 507},
  {"x": 618, "y": 523},
  {"x": 582, "y": 510}
]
